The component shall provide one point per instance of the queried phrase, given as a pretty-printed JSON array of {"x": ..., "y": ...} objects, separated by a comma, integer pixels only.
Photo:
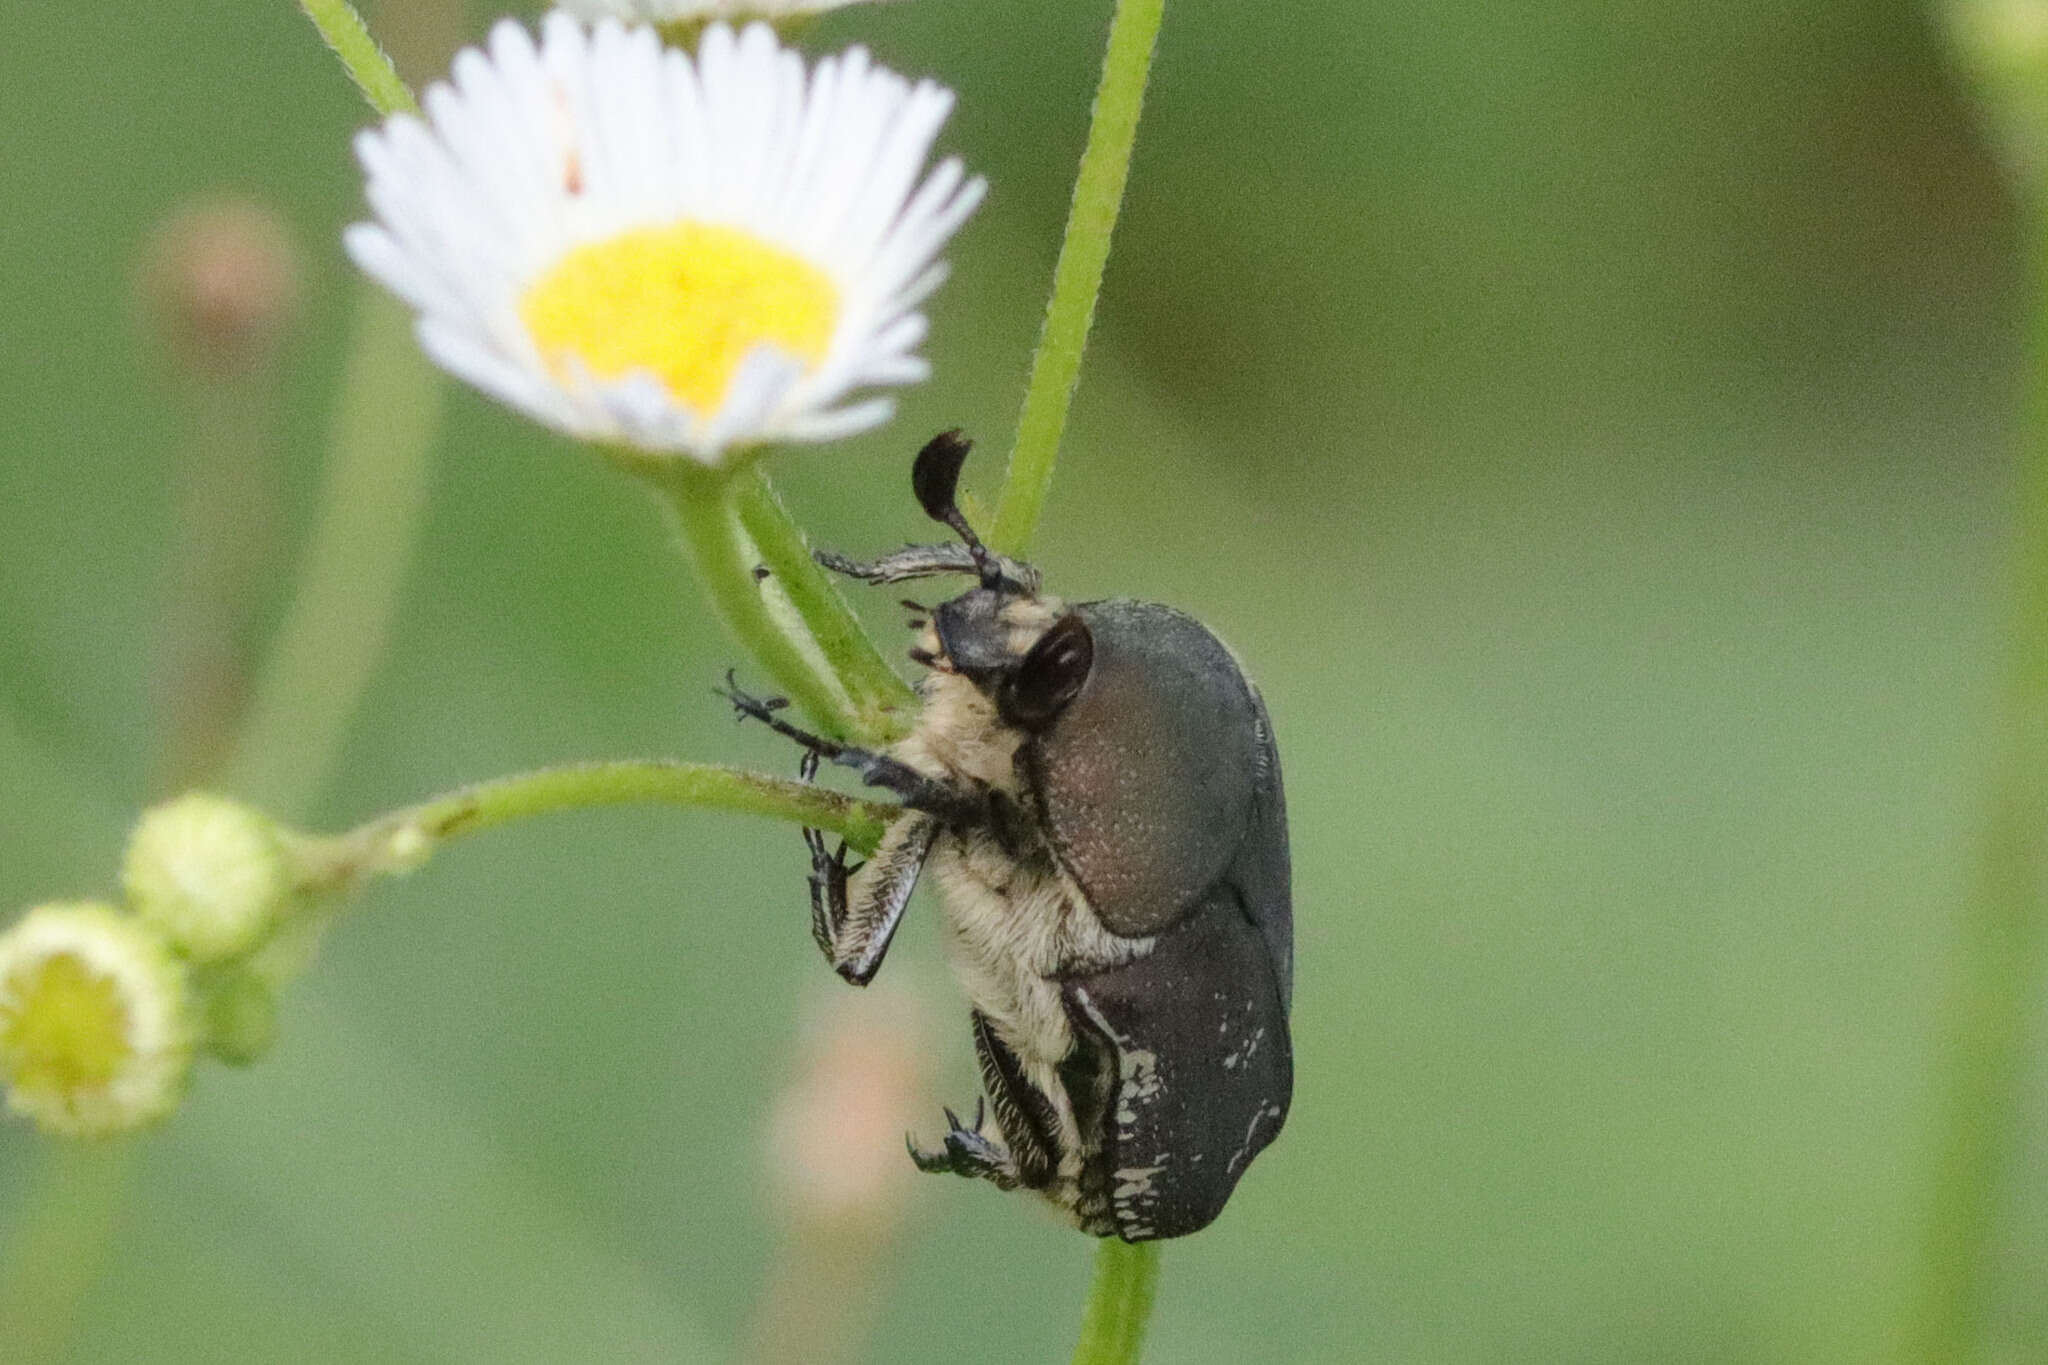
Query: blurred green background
[{"x": 1589, "y": 420}]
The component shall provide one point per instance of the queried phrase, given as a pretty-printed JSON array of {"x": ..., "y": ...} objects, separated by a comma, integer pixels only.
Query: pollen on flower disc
[
  {"x": 67, "y": 1028},
  {"x": 687, "y": 302}
]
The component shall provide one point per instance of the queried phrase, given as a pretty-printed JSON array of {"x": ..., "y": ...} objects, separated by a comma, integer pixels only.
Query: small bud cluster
[{"x": 102, "y": 1008}]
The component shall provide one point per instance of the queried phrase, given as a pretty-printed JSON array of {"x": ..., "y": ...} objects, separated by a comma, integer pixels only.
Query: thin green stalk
[
  {"x": 372, "y": 501},
  {"x": 398, "y": 840},
  {"x": 360, "y": 56},
  {"x": 56, "y": 1244},
  {"x": 2000, "y": 977},
  {"x": 1077, "y": 279},
  {"x": 706, "y": 507},
  {"x": 1119, "y": 1303},
  {"x": 881, "y": 701}
]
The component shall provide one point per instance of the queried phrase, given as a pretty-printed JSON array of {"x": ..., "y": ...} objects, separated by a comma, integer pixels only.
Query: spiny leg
[
  {"x": 828, "y": 878},
  {"x": 968, "y": 1153},
  {"x": 953, "y": 804},
  {"x": 852, "y": 924},
  {"x": 928, "y": 561},
  {"x": 1027, "y": 1117}
]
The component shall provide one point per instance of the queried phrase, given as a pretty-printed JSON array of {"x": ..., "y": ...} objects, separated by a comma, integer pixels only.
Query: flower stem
[
  {"x": 1077, "y": 279},
  {"x": 1119, "y": 1303},
  {"x": 399, "y": 840},
  {"x": 373, "y": 498},
  {"x": 1994, "y": 1004},
  {"x": 706, "y": 504},
  {"x": 1996, "y": 998},
  {"x": 360, "y": 56},
  {"x": 57, "y": 1240},
  {"x": 881, "y": 700}
]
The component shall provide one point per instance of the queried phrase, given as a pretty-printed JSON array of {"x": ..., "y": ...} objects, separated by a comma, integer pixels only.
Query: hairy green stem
[
  {"x": 372, "y": 501},
  {"x": 360, "y": 56},
  {"x": 753, "y": 605},
  {"x": 1077, "y": 279},
  {"x": 881, "y": 702},
  {"x": 398, "y": 840},
  {"x": 1996, "y": 998},
  {"x": 1119, "y": 1303}
]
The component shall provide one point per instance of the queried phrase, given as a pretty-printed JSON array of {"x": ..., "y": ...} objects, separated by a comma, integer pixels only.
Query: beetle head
[{"x": 1029, "y": 653}]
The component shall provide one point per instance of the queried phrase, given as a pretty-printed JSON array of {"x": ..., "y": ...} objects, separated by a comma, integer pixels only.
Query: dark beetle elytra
[{"x": 1097, "y": 792}]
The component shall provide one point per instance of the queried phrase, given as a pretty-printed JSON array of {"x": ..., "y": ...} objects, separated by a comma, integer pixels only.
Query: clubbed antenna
[{"x": 935, "y": 478}]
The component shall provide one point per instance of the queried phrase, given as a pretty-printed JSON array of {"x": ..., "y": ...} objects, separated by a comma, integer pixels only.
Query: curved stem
[
  {"x": 1119, "y": 1303},
  {"x": 706, "y": 507},
  {"x": 360, "y": 56},
  {"x": 1077, "y": 279},
  {"x": 399, "y": 840},
  {"x": 881, "y": 700}
]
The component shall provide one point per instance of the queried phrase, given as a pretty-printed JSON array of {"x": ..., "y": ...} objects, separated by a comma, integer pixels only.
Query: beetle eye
[{"x": 1050, "y": 676}]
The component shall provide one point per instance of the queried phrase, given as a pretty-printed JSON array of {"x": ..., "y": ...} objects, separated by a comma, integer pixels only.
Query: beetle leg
[
  {"x": 927, "y": 561},
  {"x": 854, "y": 917},
  {"x": 967, "y": 1153},
  {"x": 881, "y": 890},
  {"x": 1028, "y": 1119},
  {"x": 956, "y": 805},
  {"x": 829, "y": 874}
]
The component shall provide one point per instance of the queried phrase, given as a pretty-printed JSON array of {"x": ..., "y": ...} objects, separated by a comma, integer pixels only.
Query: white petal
[
  {"x": 534, "y": 147},
  {"x": 837, "y": 424}
]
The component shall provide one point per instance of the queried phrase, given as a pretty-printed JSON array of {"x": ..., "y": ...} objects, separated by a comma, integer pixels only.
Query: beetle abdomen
[{"x": 1204, "y": 1070}]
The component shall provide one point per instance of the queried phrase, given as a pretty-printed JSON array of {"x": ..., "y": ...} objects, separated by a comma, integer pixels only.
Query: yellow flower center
[
  {"x": 63, "y": 1027},
  {"x": 687, "y": 302}
]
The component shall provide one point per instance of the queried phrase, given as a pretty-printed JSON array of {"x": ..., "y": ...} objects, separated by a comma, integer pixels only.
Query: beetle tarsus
[
  {"x": 967, "y": 1152},
  {"x": 822, "y": 896},
  {"x": 750, "y": 707},
  {"x": 828, "y": 878},
  {"x": 830, "y": 874},
  {"x": 958, "y": 805}
]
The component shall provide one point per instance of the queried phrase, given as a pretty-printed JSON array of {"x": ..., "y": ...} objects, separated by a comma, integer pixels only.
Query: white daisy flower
[
  {"x": 700, "y": 11},
  {"x": 680, "y": 257},
  {"x": 95, "y": 1020}
]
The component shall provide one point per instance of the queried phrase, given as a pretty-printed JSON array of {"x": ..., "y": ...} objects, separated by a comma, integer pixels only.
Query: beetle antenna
[{"x": 935, "y": 478}]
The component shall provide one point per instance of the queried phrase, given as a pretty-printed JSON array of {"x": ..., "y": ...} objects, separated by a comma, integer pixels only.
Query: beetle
[{"x": 1097, "y": 792}]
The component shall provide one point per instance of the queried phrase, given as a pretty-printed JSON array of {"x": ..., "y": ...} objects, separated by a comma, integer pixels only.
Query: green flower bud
[
  {"x": 95, "y": 1020},
  {"x": 212, "y": 874},
  {"x": 241, "y": 1018}
]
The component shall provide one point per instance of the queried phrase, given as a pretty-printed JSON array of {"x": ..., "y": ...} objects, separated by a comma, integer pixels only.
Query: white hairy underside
[{"x": 1015, "y": 924}]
